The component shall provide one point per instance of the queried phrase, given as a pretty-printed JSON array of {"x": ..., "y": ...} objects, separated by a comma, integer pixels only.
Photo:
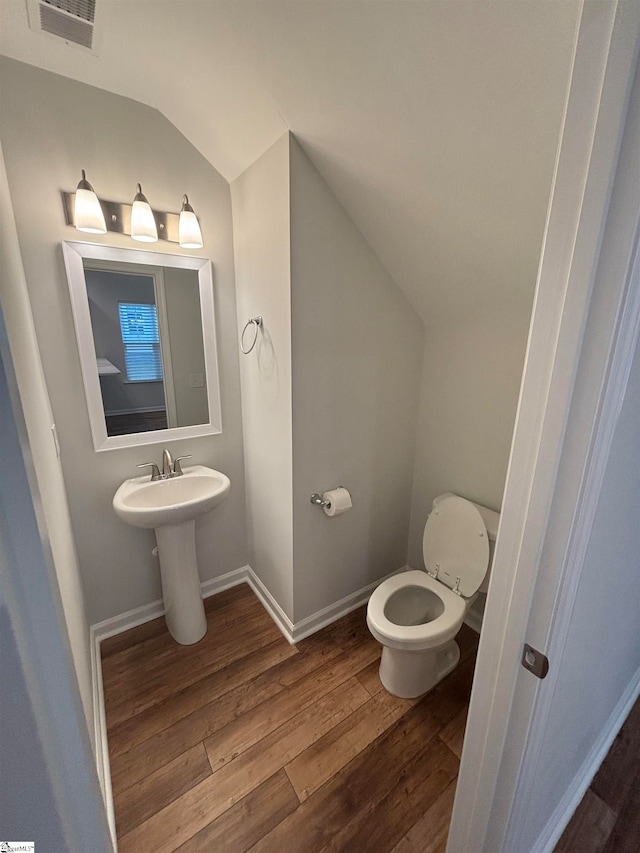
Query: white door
[{"x": 519, "y": 779}]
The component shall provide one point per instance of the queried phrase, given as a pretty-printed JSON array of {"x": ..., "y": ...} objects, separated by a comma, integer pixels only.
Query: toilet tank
[{"x": 491, "y": 520}]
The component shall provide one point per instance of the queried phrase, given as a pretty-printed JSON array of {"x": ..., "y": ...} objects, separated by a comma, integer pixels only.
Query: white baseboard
[
  {"x": 271, "y": 606},
  {"x": 140, "y": 615},
  {"x": 293, "y": 633},
  {"x": 311, "y": 624},
  {"x": 575, "y": 792},
  {"x": 100, "y": 733},
  {"x": 216, "y": 585}
]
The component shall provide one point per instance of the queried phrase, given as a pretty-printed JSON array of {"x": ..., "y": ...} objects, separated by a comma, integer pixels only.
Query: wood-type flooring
[
  {"x": 244, "y": 742},
  {"x": 608, "y": 818}
]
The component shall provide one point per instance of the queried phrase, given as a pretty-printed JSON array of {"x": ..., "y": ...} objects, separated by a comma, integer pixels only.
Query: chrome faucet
[{"x": 170, "y": 467}]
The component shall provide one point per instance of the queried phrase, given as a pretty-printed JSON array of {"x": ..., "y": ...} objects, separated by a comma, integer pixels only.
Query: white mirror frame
[{"x": 74, "y": 253}]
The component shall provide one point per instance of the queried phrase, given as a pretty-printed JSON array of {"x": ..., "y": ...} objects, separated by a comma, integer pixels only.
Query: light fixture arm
[
  {"x": 140, "y": 195},
  {"x": 84, "y": 183}
]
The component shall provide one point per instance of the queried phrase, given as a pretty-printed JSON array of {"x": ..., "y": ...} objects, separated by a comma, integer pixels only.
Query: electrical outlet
[{"x": 196, "y": 380}]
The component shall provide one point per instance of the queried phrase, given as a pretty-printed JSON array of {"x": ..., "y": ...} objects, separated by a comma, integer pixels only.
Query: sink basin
[
  {"x": 146, "y": 503},
  {"x": 171, "y": 508}
]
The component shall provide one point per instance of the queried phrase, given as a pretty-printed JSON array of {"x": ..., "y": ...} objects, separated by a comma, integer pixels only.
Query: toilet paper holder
[{"x": 318, "y": 500}]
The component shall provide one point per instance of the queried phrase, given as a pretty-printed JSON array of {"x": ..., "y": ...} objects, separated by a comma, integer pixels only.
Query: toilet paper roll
[{"x": 340, "y": 500}]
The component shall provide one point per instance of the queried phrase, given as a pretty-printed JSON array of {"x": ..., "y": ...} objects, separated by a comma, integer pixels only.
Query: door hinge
[{"x": 535, "y": 661}]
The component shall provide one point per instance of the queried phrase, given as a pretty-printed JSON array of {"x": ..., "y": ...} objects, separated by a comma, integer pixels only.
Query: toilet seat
[
  {"x": 428, "y": 635},
  {"x": 455, "y": 544}
]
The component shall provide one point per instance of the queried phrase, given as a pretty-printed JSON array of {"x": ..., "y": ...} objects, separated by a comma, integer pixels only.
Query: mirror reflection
[
  {"x": 145, "y": 326},
  {"x": 147, "y": 331}
]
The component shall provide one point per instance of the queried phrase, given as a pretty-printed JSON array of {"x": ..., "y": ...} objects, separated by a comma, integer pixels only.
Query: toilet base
[{"x": 408, "y": 674}]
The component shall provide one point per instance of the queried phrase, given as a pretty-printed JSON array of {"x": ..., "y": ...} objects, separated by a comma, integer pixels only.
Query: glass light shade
[
  {"x": 143, "y": 224},
  {"x": 88, "y": 215},
  {"x": 189, "y": 234}
]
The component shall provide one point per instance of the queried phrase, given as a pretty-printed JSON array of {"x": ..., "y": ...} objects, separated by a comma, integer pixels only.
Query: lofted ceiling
[{"x": 434, "y": 122}]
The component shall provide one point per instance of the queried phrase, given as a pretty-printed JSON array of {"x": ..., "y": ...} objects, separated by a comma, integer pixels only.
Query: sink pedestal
[{"x": 183, "y": 605}]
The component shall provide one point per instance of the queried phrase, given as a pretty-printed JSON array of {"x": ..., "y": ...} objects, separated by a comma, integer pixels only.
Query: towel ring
[{"x": 254, "y": 321}]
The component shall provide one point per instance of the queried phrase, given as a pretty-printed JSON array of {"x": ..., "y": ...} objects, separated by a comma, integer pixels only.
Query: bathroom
[{"x": 398, "y": 393}]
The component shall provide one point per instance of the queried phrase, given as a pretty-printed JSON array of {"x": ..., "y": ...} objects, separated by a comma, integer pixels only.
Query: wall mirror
[{"x": 145, "y": 328}]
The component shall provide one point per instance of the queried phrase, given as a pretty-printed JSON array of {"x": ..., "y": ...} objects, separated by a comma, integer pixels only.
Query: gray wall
[
  {"x": 28, "y": 809},
  {"x": 39, "y": 419},
  {"x": 262, "y": 251},
  {"x": 356, "y": 353},
  {"x": 50, "y": 792},
  {"x": 51, "y": 128},
  {"x": 471, "y": 377},
  {"x": 330, "y": 393}
]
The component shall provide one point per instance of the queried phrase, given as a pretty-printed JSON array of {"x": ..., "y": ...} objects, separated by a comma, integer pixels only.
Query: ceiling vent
[{"x": 71, "y": 20}]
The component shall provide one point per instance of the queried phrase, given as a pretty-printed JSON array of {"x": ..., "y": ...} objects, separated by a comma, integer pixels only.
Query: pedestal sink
[{"x": 171, "y": 507}]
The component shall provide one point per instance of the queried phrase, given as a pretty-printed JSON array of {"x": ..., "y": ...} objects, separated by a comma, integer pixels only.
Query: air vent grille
[
  {"x": 71, "y": 20},
  {"x": 83, "y": 9}
]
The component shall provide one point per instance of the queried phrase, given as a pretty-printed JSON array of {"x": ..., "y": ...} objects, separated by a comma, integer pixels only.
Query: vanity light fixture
[
  {"x": 143, "y": 225},
  {"x": 84, "y": 210},
  {"x": 87, "y": 210},
  {"x": 190, "y": 236}
]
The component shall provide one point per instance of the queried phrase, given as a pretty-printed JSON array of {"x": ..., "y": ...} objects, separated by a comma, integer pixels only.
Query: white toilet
[{"x": 417, "y": 614}]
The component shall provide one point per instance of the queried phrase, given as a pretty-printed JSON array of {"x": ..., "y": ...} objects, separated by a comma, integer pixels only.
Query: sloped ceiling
[{"x": 435, "y": 122}]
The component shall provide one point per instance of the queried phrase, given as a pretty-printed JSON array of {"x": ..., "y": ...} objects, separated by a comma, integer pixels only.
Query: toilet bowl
[{"x": 416, "y": 615}]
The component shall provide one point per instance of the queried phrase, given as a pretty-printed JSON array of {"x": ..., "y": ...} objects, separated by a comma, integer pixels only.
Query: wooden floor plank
[
  {"x": 608, "y": 818},
  {"x": 369, "y": 677},
  {"x": 161, "y": 651},
  {"x": 131, "y": 638},
  {"x": 364, "y": 781},
  {"x": 453, "y": 733},
  {"x": 180, "y": 820},
  {"x": 149, "y": 722},
  {"x": 127, "y": 640},
  {"x": 200, "y": 738},
  {"x": 612, "y": 782},
  {"x": 349, "y": 631},
  {"x": 625, "y": 835},
  {"x": 237, "y": 829},
  {"x": 244, "y": 616},
  {"x": 141, "y": 690},
  {"x": 326, "y": 756},
  {"x": 590, "y": 830},
  {"x": 157, "y": 790},
  {"x": 228, "y": 742},
  {"x": 378, "y": 828},
  {"x": 229, "y": 709},
  {"x": 430, "y": 833},
  {"x": 232, "y": 595},
  {"x": 147, "y": 641}
]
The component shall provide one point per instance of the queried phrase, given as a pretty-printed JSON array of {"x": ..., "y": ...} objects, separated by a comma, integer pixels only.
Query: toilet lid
[{"x": 455, "y": 538}]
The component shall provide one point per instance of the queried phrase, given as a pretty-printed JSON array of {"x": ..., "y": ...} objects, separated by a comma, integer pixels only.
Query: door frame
[{"x": 605, "y": 51}]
